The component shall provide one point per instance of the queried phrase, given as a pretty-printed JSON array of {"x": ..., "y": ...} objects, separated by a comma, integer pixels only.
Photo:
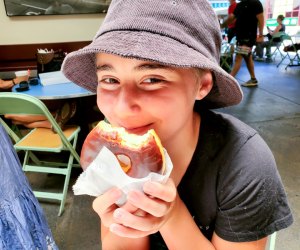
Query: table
[{"x": 55, "y": 91}]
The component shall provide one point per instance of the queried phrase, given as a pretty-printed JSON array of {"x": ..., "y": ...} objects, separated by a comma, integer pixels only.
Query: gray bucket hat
[{"x": 180, "y": 33}]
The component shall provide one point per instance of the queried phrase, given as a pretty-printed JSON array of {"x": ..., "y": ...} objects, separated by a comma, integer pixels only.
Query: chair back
[
  {"x": 17, "y": 103},
  {"x": 286, "y": 37},
  {"x": 280, "y": 34},
  {"x": 42, "y": 140}
]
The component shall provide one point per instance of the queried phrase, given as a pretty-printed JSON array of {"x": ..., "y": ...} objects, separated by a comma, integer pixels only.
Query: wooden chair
[{"x": 42, "y": 140}]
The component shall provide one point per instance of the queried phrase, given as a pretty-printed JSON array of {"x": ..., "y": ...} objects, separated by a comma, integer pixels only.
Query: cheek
[{"x": 104, "y": 103}]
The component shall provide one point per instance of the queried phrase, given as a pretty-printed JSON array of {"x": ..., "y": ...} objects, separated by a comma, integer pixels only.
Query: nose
[{"x": 128, "y": 100}]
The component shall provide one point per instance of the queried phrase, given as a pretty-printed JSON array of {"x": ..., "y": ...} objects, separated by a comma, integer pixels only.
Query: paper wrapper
[{"x": 105, "y": 172}]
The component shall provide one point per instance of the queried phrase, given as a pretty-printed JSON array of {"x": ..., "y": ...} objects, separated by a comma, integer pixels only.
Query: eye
[
  {"x": 152, "y": 80},
  {"x": 152, "y": 83},
  {"x": 108, "y": 83}
]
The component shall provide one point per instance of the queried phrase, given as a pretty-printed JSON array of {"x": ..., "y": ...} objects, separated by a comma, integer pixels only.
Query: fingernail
[
  {"x": 118, "y": 214},
  {"x": 112, "y": 228}
]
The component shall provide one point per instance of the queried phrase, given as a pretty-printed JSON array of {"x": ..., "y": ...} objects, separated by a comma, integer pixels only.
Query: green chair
[
  {"x": 271, "y": 241},
  {"x": 42, "y": 140},
  {"x": 292, "y": 54},
  {"x": 276, "y": 41},
  {"x": 227, "y": 54}
]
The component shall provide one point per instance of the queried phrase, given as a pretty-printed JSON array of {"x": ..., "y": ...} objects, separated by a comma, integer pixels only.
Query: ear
[{"x": 205, "y": 84}]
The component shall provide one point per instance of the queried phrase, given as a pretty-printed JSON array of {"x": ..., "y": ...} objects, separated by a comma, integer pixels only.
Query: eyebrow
[
  {"x": 146, "y": 66},
  {"x": 104, "y": 67},
  {"x": 140, "y": 67}
]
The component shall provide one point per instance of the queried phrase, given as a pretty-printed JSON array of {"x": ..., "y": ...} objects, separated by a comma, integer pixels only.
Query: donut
[{"x": 138, "y": 155}]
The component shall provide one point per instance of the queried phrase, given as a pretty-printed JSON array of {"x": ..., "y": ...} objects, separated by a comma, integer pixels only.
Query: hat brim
[{"x": 80, "y": 66}]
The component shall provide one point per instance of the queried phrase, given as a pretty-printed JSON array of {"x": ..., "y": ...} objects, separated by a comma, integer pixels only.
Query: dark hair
[{"x": 281, "y": 17}]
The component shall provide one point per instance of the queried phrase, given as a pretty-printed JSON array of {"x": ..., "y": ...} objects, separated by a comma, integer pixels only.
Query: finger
[
  {"x": 144, "y": 223},
  {"x": 102, "y": 203},
  {"x": 153, "y": 206},
  {"x": 127, "y": 232},
  {"x": 129, "y": 207},
  {"x": 164, "y": 191}
]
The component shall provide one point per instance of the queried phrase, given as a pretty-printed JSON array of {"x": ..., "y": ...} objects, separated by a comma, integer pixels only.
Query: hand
[
  {"x": 104, "y": 205},
  {"x": 144, "y": 213},
  {"x": 19, "y": 79},
  {"x": 259, "y": 39}
]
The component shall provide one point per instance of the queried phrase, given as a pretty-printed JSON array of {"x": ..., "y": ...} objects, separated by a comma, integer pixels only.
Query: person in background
[
  {"x": 157, "y": 68},
  {"x": 271, "y": 41},
  {"x": 231, "y": 26},
  {"x": 8, "y": 84},
  {"x": 249, "y": 16},
  {"x": 29, "y": 121},
  {"x": 62, "y": 110}
]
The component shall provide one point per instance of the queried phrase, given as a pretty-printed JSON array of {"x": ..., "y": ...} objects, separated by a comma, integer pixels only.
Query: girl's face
[{"x": 140, "y": 95}]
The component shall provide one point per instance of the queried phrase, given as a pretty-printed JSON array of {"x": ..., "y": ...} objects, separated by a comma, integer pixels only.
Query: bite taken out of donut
[{"x": 138, "y": 155}]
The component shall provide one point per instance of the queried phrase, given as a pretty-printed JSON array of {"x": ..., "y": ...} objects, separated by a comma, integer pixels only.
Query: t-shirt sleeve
[
  {"x": 257, "y": 7},
  {"x": 251, "y": 199}
]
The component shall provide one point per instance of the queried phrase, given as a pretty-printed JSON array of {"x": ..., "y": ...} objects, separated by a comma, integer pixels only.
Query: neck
[{"x": 181, "y": 156}]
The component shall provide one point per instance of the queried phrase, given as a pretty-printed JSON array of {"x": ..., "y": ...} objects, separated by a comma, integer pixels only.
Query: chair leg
[
  {"x": 66, "y": 185},
  {"x": 26, "y": 159},
  {"x": 282, "y": 60},
  {"x": 272, "y": 241},
  {"x": 293, "y": 60},
  {"x": 60, "y": 168},
  {"x": 67, "y": 178}
]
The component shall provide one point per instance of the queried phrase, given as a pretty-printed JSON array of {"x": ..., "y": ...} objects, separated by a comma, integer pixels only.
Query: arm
[
  {"x": 261, "y": 23},
  {"x": 181, "y": 232},
  {"x": 221, "y": 244},
  {"x": 163, "y": 211},
  {"x": 229, "y": 20},
  {"x": 278, "y": 27},
  {"x": 6, "y": 84},
  {"x": 111, "y": 241},
  {"x": 105, "y": 206}
]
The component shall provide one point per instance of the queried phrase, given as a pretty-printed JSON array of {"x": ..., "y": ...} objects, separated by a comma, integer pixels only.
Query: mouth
[{"x": 140, "y": 130}]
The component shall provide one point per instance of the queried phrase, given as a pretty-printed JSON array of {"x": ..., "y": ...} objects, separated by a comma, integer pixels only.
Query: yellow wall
[{"x": 47, "y": 29}]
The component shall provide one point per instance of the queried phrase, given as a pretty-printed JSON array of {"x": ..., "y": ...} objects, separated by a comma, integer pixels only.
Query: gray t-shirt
[{"x": 232, "y": 185}]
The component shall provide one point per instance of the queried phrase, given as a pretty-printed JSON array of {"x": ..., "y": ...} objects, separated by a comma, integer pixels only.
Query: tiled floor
[{"x": 273, "y": 109}]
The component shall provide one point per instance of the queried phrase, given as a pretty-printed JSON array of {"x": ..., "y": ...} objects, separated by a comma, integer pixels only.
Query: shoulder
[
  {"x": 257, "y": 6},
  {"x": 243, "y": 148},
  {"x": 251, "y": 199},
  {"x": 231, "y": 8},
  {"x": 231, "y": 128},
  {"x": 222, "y": 137}
]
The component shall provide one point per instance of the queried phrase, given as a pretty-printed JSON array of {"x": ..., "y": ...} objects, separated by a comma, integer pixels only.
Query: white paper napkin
[{"x": 105, "y": 172}]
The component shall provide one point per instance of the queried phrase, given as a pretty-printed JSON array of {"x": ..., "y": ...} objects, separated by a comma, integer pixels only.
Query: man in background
[
  {"x": 231, "y": 26},
  {"x": 249, "y": 17}
]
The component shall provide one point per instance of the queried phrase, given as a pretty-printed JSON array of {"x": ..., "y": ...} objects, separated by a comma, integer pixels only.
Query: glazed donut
[{"x": 138, "y": 155}]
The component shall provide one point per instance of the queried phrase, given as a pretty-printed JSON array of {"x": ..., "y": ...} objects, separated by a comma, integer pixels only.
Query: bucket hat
[{"x": 179, "y": 33}]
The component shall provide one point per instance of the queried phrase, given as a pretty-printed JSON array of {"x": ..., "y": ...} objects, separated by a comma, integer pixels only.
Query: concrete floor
[{"x": 273, "y": 109}]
